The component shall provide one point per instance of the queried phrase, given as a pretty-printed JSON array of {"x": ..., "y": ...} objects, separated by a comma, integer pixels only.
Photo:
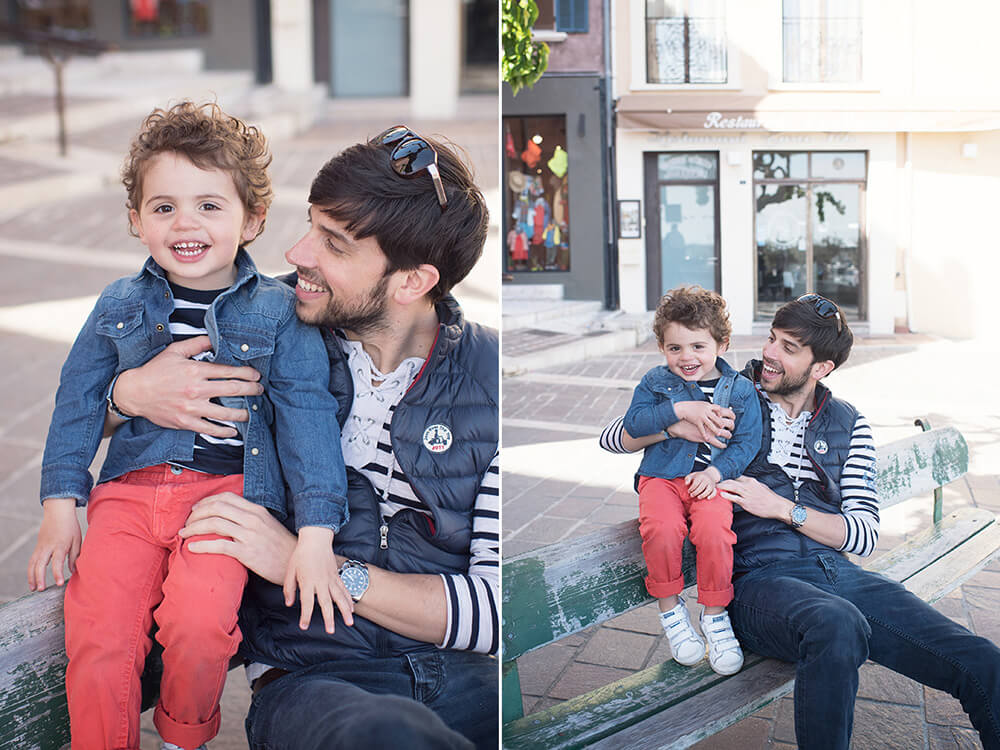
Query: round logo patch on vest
[
  {"x": 821, "y": 446},
  {"x": 437, "y": 438}
]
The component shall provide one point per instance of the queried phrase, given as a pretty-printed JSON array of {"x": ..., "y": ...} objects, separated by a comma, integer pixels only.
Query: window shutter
[{"x": 571, "y": 15}]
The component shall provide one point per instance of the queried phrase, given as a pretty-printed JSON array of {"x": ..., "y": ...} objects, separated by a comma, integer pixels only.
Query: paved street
[
  {"x": 557, "y": 484},
  {"x": 63, "y": 238}
]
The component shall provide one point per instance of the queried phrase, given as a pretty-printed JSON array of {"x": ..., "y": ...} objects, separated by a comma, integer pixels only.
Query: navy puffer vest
[
  {"x": 760, "y": 541},
  {"x": 457, "y": 389}
]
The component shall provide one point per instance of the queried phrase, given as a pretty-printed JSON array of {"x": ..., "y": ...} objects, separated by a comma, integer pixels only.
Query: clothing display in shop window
[
  {"x": 540, "y": 219},
  {"x": 509, "y": 145},
  {"x": 559, "y": 207},
  {"x": 517, "y": 245},
  {"x": 559, "y": 162},
  {"x": 531, "y": 154}
]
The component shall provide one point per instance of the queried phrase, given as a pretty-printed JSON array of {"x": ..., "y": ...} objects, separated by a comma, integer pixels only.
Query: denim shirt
[
  {"x": 292, "y": 436},
  {"x": 652, "y": 411}
]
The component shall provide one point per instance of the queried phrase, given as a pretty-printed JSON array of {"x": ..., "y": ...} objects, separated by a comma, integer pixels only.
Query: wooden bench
[{"x": 563, "y": 588}]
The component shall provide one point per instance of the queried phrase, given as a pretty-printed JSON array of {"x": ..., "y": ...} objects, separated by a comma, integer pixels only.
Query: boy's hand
[
  {"x": 701, "y": 484},
  {"x": 708, "y": 418},
  {"x": 313, "y": 570},
  {"x": 59, "y": 541}
]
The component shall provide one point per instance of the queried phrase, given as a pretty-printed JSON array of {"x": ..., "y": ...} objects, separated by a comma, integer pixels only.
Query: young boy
[
  {"x": 677, "y": 479},
  {"x": 198, "y": 190}
]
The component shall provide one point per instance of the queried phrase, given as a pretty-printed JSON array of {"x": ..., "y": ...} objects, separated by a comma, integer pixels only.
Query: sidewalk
[
  {"x": 557, "y": 484},
  {"x": 63, "y": 238}
]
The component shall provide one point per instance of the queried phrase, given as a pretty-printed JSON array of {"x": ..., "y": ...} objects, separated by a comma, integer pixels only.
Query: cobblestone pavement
[
  {"x": 557, "y": 485},
  {"x": 66, "y": 241}
]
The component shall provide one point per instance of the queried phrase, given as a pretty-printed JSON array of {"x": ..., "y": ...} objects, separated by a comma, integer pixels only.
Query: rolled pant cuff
[
  {"x": 186, "y": 735},
  {"x": 663, "y": 589},
  {"x": 716, "y": 598}
]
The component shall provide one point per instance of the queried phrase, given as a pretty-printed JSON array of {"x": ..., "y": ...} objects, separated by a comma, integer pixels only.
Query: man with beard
[
  {"x": 395, "y": 223},
  {"x": 808, "y": 497}
]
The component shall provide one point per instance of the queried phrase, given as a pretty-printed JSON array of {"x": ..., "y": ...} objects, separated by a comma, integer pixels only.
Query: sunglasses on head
[
  {"x": 410, "y": 154},
  {"x": 824, "y": 308}
]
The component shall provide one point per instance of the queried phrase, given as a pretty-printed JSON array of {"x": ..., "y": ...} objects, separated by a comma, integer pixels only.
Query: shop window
[
  {"x": 53, "y": 15},
  {"x": 563, "y": 15},
  {"x": 821, "y": 41},
  {"x": 809, "y": 219},
  {"x": 167, "y": 18},
  {"x": 536, "y": 175},
  {"x": 686, "y": 41}
]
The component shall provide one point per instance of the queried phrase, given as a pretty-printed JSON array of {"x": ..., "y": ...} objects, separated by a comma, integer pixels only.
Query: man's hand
[
  {"x": 701, "y": 484},
  {"x": 313, "y": 570},
  {"x": 174, "y": 391},
  {"x": 254, "y": 537},
  {"x": 756, "y": 498},
  {"x": 59, "y": 542},
  {"x": 718, "y": 422}
]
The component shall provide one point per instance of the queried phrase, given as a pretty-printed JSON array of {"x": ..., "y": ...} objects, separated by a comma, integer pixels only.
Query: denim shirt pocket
[
  {"x": 246, "y": 346},
  {"x": 122, "y": 323}
]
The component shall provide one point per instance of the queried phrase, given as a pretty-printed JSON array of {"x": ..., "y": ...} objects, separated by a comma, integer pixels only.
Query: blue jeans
[
  {"x": 828, "y": 616},
  {"x": 429, "y": 700}
]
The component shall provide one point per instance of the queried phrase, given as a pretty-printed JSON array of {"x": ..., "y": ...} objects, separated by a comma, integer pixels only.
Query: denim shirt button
[
  {"x": 119, "y": 325},
  {"x": 254, "y": 451},
  {"x": 159, "y": 326},
  {"x": 245, "y": 348},
  {"x": 254, "y": 407}
]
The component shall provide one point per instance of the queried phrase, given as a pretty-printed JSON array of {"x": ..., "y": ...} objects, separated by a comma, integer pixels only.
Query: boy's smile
[
  {"x": 691, "y": 354},
  {"x": 192, "y": 221}
]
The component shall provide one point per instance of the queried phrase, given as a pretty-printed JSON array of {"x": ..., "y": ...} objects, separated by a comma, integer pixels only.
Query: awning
[{"x": 804, "y": 112}]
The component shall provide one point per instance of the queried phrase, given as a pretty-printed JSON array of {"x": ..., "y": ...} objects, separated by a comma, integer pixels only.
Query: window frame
[{"x": 639, "y": 73}]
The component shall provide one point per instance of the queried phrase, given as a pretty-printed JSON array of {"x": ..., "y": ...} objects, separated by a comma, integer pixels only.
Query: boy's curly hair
[
  {"x": 693, "y": 307},
  {"x": 210, "y": 139}
]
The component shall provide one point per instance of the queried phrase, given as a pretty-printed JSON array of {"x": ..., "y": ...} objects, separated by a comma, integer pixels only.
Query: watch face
[
  {"x": 799, "y": 515},
  {"x": 355, "y": 579}
]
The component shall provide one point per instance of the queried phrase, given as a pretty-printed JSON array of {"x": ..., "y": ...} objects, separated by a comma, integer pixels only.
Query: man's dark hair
[
  {"x": 801, "y": 319},
  {"x": 359, "y": 188}
]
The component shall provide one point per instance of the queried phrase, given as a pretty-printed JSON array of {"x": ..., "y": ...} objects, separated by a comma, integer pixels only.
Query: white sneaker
[
  {"x": 724, "y": 652},
  {"x": 686, "y": 647}
]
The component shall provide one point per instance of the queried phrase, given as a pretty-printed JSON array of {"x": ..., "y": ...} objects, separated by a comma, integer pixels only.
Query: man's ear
[
  {"x": 820, "y": 370},
  {"x": 251, "y": 227},
  {"x": 416, "y": 283}
]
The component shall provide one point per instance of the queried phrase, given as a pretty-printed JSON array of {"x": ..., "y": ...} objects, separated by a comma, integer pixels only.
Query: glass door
[{"x": 682, "y": 222}]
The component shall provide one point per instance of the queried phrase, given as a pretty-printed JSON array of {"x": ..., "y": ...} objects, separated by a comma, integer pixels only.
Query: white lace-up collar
[{"x": 375, "y": 393}]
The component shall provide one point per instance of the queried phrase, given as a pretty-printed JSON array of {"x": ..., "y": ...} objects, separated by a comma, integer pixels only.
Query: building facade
[{"x": 780, "y": 147}]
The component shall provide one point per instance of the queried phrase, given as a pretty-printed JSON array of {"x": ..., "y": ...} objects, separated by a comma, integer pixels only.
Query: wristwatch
[
  {"x": 354, "y": 575},
  {"x": 798, "y": 515}
]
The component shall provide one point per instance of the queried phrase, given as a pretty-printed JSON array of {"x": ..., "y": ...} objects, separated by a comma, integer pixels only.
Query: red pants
[
  {"x": 665, "y": 510},
  {"x": 132, "y": 562}
]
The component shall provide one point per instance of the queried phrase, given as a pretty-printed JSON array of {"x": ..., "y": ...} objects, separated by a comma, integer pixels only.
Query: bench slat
[
  {"x": 923, "y": 548},
  {"x": 937, "y": 580},
  {"x": 590, "y": 717},
  {"x": 33, "y": 710},
  {"x": 919, "y": 464},
  {"x": 704, "y": 714}
]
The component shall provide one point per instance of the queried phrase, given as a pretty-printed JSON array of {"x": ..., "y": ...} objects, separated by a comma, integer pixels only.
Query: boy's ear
[
  {"x": 253, "y": 223},
  {"x": 133, "y": 217},
  {"x": 415, "y": 283},
  {"x": 723, "y": 346}
]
